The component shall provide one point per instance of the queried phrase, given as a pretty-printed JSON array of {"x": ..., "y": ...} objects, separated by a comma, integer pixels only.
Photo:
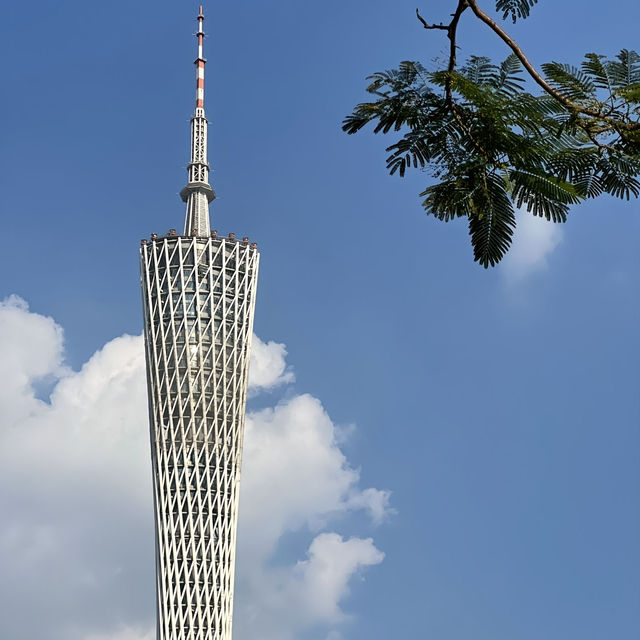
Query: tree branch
[
  {"x": 511, "y": 43},
  {"x": 452, "y": 30},
  {"x": 426, "y": 25},
  {"x": 601, "y": 146}
]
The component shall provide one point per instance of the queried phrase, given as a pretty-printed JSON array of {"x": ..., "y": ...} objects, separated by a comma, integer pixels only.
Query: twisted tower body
[{"x": 198, "y": 294}]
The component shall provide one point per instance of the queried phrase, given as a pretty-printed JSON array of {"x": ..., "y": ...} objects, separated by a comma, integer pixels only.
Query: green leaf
[
  {"x": 479, "y": 70},
  {"x": 571, "y": 164},
  {"x": 515, "y": 8},
  {"x": 618, "y": 176},
  {"x": 474, "y": 93},
  {"x": 509, "y": 81},
  {"x": 589, "y": 185},
  {"x": 543, "y": 194},
  {"x": 490, "y": 146},
  {"x": 572, "y": 82},
  {"x": 630, "y": 94},
  {"x": 625, "y": 71},
  {"x": 491, "y": 224},
  {"x": 597, "y": 71},
  {"x": 451, "y": 198},
  {"x": 412, "y": 149}
]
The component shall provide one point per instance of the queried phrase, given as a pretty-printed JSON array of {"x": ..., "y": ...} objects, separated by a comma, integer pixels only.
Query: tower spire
[
  {"x": 200, "y": 61},
  {"x": 198, "y": 192}
]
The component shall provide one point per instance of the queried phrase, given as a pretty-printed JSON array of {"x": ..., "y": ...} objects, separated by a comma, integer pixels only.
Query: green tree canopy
[{"x": 494, "y": 147}]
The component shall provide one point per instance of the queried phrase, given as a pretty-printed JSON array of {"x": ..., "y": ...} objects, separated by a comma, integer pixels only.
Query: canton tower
[{"x": 198, "y": 293}]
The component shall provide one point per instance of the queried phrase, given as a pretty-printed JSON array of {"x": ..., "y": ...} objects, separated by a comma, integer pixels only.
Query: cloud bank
[
  {"x": 76, "y": 537},
  {"x": 534, "y": 241}
]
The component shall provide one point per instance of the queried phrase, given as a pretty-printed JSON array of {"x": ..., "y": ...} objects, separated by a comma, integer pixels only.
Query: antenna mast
[{"x": 198, "y": 192}]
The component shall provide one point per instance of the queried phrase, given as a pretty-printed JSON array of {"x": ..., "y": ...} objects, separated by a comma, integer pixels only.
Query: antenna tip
[{"x": 201, "y": 14}]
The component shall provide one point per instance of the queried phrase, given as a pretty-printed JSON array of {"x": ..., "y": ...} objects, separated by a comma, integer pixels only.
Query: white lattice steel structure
[{"x": 198, "y": 294}]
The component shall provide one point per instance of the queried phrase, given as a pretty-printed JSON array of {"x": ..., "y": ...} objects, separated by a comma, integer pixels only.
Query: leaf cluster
[
  {"x": 493, "y": 147},
  {"x": 515, "y": 9}
]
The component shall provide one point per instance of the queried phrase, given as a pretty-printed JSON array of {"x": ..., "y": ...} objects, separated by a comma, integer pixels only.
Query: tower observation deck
[{"x": 198, "y": 293}]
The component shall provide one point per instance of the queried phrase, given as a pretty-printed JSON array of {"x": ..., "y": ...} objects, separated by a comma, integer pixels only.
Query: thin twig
[
  {"x": 601, "y": 146},
  {"x": 426, "y": 25}
]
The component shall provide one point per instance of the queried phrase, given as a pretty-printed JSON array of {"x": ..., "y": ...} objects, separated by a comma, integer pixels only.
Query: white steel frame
[{"x": 198, "y": 298}]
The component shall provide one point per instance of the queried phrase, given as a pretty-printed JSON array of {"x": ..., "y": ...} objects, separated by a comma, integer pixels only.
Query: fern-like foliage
[
  {"x": 492, "y": 148},
  {"x": 515, "y": 9},
  {"x": 491, "y": 226},
  {"x": 543, "y": 194},
  {"x": 625, "y": 70},
  {"x": 574, "y": 83}
]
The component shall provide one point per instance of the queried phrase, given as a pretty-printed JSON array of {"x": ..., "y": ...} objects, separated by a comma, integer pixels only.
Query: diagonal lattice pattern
[{"x": 198, "y": 298}]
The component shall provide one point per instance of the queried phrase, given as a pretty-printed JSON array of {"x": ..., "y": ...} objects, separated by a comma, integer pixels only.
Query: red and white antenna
[
  {"x": 198, "y": 192},
  {"x": 200, "y": 61}
]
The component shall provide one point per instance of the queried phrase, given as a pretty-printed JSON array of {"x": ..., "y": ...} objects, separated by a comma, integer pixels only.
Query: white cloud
[
  {"x": 375, "y": 502},
  {"x": 124, "y": 633},
  {"x": 31, "y": 348},
  {"x": 295, "y": 477},
  {"x": 321, "y": 581},
  {"x": 534, "y": 241},
  {"x": 76, "y": 532},
  {"x": 294, "y": 473},
  {"x": 306, "y": 594},
  {"x": 268, "y": 365}
]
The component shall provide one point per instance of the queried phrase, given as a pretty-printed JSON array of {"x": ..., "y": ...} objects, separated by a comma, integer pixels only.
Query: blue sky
[{"x": 500, "y": 408}]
